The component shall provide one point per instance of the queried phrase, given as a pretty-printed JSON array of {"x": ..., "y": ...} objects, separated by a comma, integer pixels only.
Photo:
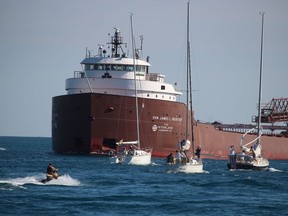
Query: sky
[{"x": 43, "y": 42}]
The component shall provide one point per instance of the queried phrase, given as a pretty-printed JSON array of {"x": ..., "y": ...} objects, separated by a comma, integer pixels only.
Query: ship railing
[
  {"x": 79, "y": 74},
  {"x": 157, "y": 77},
  {"x": 243, "y": 128}
]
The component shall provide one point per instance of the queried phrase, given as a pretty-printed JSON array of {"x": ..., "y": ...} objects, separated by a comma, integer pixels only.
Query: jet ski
[{"x": 50, "y": 177}]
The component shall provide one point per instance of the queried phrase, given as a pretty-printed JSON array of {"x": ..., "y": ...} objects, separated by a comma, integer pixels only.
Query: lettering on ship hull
[{"x": 165, "y": 127}]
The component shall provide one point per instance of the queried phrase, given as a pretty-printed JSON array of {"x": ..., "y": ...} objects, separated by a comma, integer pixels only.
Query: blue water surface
[{"x": 90, "y": 185}]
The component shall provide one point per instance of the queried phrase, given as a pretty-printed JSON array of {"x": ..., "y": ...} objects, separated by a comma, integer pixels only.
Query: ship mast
[{"x": 116, "y": 42}]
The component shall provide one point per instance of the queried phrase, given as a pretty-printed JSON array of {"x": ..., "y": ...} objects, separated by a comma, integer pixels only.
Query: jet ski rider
[{"x": 51, "y": 170}]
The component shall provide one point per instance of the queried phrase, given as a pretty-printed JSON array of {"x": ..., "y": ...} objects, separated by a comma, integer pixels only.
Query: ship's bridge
[{"x": 122, "y": 68}]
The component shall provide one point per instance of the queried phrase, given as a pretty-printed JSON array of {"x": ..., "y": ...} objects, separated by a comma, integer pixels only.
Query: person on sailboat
[
  {"x": 170, "y": 159},
  {"x": 183, "y": 143},
  {"x": 131, "y": 150},
  {"x": 198, "y": 151},
  {"x": 242, "y": 156},
  {"x": 232, "y": 156},
  {"x": 178, "y": 157},
  {"x": 184, "y": 156},
  {"x": 253, "y": 153}
]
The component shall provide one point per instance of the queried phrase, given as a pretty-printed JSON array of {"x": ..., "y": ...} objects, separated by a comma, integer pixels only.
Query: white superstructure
[{"x": 113, "y": 74}]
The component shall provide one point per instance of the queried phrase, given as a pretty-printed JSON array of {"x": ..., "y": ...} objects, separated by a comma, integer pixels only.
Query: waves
[
  {"x": 63, "y": 180},
  {"x": 92, "y": 185}
]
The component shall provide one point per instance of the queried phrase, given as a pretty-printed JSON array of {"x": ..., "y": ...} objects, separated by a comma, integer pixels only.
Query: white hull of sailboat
[
  {"x": 194, "y": 166},
  {"x": 140, "y": 157}
]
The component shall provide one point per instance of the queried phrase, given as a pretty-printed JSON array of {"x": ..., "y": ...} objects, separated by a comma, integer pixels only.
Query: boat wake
[
  {"x": 203, "y": 171},
  {"x": 271, "y": 169},
  {"x": 63, "y": 180},
  {"x": 155, "y": 164},
  {"x": 181, "y": 171},
  {"x": 2, "y": 149}
]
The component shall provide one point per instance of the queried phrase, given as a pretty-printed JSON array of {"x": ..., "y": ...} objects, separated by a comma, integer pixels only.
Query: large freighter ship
[{"x": 99, "y": 110}]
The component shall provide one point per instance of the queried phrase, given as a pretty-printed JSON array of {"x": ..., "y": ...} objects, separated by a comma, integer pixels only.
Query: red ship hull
[{"x": 88, "y": 123}]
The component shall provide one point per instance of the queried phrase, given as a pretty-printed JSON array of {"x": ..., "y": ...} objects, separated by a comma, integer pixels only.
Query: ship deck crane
[{"x": 275, "y": 111}]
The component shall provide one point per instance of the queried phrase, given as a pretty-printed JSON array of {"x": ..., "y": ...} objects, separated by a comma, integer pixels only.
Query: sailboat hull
[
  {"x": 247, "y": 162},
  {"x": 140, "y": 157},
  {"x": 195, "y": 166},
  {"x": 248, "y": 166}
]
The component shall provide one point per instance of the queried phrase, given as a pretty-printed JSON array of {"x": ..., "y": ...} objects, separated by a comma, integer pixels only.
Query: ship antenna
[
  {"x": 100, "y": 49},
  {"x": 88, "y": 53},
  {"x": 141, "y": 45}
]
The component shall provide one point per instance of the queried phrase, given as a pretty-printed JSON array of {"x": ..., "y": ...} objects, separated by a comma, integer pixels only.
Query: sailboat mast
[
  {"x": 187, "y": 81},
  {"x": 260, "y": 82},
  {"x": 135, "y": 85}
]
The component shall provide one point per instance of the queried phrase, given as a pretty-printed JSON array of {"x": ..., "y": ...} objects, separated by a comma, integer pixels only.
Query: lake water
[{"x": 90, "y": 185}]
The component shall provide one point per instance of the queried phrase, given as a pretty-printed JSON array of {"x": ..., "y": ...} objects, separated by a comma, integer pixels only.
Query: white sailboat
[
  {"x": 135, "y": 155},
  {"x": 193, "y": 165},
  {"x": 253, "y": 160}
]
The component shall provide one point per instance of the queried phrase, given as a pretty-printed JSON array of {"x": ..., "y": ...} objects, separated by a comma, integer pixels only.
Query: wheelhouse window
[
  {"x": 115, "y": 67},
  {"x": 130, "y": 68},
  {"x": 140, "y": 68},
  {"x": 119, "y": 67},
  {"x": 125, "y": 68},
  {"x": 107, "y": 67},
  {"x": 100, "y": 67},
  {"x": 88, "y": 67}
]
